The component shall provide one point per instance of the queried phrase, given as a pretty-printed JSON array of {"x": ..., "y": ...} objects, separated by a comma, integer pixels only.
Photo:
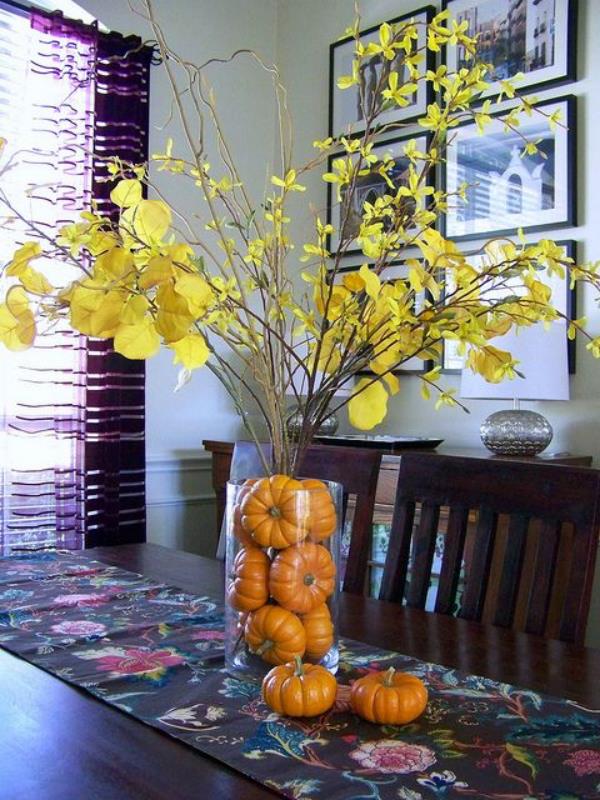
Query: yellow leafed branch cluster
[{"x": 155, "y": 277}]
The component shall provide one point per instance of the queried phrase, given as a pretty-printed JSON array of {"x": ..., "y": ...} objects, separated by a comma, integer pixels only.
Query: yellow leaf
[
  {"x": 146, "y": 223},
  {"x": 159, "y": 270},
  {"x": 353, "y": 282},
  {"x": 179, "y": 253},
  {"x": 94, "y": 311},
  {"x": 101, "y": 241},
  {"x": 22, "y": 257},
  {"x": 115, "y": 263},
  {"x": 196, "y": 291},
  {"x": 372, "y": 282},
  {"x": 134, "y": 310},
  {"x": 191, "y": 351},
  {"x": 35, "y": 282},
  {"x": 17, "y": 323},
  {"x": 17, "y": 301},
  {"x": 392, "y": 382},
  {"x": 127, "y": 193},
  {"x": 174, "y": 318},
  {"x": 137, "y": 341},
  {"x": 367, "y": 409}
]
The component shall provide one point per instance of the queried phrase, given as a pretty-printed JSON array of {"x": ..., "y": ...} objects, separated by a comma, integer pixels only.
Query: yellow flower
[
  {"x": 289, "y": 182},
  {"x": 399, "y": 94}
]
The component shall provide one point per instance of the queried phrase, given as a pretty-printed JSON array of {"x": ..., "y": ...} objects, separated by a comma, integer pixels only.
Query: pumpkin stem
[
  {"x": 274, "y": 512},
  {"x": 299, "y": 671},
  {"x": 309, "y": 579},
  {"x": 389, "y": 677},
  {"x": 266, "y": 645}
]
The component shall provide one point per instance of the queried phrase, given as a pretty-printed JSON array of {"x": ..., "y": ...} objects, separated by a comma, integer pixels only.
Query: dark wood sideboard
[{"x": 388, "y": 475}]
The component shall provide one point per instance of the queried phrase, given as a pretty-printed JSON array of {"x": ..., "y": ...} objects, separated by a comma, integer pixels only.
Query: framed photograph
[
  {"x": 345, "y": 107},
  {"x": 507, "y": 188},
  {"x": 346, "y": 221},
  {"x": 564, "y": 298},
  {"x": 395, "y": 271},
  {"x": 533, "y": 38}
]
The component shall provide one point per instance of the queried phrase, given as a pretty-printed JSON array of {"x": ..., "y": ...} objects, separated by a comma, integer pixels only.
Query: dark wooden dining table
[{"x": 58, "y": 742}]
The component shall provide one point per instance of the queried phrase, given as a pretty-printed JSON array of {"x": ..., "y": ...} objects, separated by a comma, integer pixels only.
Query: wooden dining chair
[
  {"x": 357, "y": 470},
  {"x": 525, "y": 535}
]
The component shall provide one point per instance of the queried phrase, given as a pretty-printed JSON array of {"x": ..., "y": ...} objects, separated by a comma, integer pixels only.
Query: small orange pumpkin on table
[
  {"x": 302, "y": 577},
  {"x": 275, "y": 634},
  {"x": 389, "y": 698},
  {"x": 249, "y": 586},
  {"x": 299, "y": 690},
  {"x": 319, "y": 632},
  {"x": 272, "y": 514}
]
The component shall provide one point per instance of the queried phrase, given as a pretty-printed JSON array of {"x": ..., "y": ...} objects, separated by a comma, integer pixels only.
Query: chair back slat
[
  {"x": 423, "y": 549},
  {"x": 579, "y": 583},
  {"x": 541, "y": 587},
  {"x": 520, "y": 567},
  {"x": 479, "y": 572},
  {"x": 357, "y": 469},
  {"x": 454, "y": 545},
  {"x": 512, "y": 569},
  {"x": 395, "y": 570}
]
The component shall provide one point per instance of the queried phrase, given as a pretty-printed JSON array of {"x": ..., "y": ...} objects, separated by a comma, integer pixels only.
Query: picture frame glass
[
  {"x": 563, "y": 299},
  {"x": 346, "y": 221},
  {"x": 346, "y": 109},
  {"x": 529, "y": 38},
  {"x": 507, "y": 188}
]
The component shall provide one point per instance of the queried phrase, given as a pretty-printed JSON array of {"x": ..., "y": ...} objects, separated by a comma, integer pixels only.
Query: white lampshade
[{"x": 543, "y": 360}]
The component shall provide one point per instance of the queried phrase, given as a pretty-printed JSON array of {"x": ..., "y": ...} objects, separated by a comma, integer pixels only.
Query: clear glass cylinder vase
[{"x": 282, "y": 573}]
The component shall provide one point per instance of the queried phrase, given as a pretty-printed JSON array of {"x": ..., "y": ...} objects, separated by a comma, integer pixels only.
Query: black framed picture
[
  {"x": 564, "y": 298},
  {"x": 508, "y": 188},
  {"x": 532, "y": 39},
  {"x": 398, "y": 270},
  {"x": 346, "y": 111},
  {"x": 346, "y": 221}
]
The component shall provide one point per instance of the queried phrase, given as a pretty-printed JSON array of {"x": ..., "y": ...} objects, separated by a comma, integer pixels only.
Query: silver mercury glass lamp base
[{"x": 516, "y": 433}]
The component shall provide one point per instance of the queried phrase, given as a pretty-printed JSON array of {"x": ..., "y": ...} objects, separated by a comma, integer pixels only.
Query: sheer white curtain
[{"x": 48, "y": 124}]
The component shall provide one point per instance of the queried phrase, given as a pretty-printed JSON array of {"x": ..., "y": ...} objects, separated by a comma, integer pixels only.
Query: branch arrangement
[{"x": 216, "y": 284}]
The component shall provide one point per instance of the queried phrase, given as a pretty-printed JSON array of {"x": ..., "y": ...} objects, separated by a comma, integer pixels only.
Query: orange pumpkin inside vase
[
  {"x": 239, "y": 532},
  {"x": 275, "y": 512},
  {"x": 275, "y": 634},
  {"x": 323, "y": 519},
  {"x": 249, "y": 584},
  {"x": 302, "y": 577},
  {"x": 319, "y": 629}
]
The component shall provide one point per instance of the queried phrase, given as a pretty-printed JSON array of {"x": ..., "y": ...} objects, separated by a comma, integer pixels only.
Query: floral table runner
[{"x": 156, "y": 653}]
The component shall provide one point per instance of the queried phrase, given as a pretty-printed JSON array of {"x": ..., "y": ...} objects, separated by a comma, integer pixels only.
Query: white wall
[{"x": 180, "y": 501}]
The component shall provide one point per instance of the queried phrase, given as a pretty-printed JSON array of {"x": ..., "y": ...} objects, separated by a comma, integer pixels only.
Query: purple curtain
[
  {"x": 80, "y": 418},
  {"x": 115, "y": 446}
]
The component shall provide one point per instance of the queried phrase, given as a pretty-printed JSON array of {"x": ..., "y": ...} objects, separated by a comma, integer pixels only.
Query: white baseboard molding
[{"x": 196, "y": 500}]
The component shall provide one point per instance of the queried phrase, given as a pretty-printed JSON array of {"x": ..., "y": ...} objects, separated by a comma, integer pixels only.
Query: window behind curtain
[{"x": 49, "y": 125}]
